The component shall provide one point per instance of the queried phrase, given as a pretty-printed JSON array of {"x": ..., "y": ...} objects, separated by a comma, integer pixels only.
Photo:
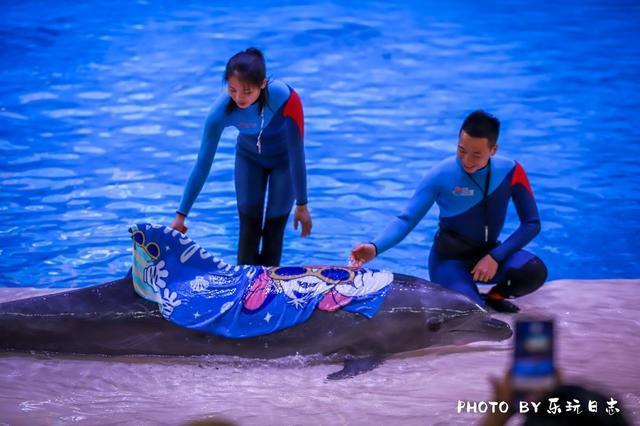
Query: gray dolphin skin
[{"x": 111, "y": 319}]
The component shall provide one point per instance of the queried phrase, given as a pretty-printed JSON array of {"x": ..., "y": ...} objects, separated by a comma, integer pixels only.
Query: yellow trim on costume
[{"x": 143, "y": 245}]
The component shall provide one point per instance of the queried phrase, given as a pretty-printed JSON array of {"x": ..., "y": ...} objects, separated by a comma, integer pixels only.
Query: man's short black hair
[{"x": 480, "y": 124}]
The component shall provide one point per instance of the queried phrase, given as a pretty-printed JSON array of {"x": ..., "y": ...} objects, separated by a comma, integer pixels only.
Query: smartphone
[{"x": 533, "y": 371}]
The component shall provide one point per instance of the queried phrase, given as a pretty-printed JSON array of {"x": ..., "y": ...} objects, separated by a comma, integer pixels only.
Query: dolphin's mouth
[
  {"x": 500, "y": 329},
  {"x": 488, "y": 328}
]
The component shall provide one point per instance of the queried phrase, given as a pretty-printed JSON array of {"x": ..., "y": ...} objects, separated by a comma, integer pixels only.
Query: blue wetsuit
[
  {"x": 464, "y": 214},
  {"x": 279, "y": 162}
]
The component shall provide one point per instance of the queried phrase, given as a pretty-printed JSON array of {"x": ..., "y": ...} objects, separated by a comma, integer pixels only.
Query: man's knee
[{"x": 523, "y": 280}]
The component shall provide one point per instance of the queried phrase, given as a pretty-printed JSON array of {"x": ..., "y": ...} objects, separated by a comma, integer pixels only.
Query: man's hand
[
  {"x": 361, "y": 254},
  {"x": 485, "y": 269},
  {"x": 302, "y": 215}
]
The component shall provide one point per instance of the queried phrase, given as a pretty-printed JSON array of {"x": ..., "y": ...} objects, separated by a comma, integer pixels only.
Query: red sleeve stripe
[
  {"x": 293, "y": 109},
  {"x": 520, "y": 177}
]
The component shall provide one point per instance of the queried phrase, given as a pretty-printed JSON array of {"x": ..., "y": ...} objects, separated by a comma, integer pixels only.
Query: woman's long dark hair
[{"x": 247, "y": 66}]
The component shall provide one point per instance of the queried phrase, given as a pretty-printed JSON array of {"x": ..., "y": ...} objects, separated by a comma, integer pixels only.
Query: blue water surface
[{"x": 102, "y": 106}]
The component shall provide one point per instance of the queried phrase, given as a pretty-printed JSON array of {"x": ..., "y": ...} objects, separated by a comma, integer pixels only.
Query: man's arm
[
  {"x": 416, "y": 209},
  {"x": 527, "y": 210}
]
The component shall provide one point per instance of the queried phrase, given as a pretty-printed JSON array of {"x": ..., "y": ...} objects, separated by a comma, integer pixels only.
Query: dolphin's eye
[
  {"x": 138, "y": 237},
  {"x": 154, "y": 250},
  {"x": 434, "y": 324}
]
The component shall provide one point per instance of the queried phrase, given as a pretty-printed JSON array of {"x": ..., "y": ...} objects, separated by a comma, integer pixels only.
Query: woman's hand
[
  {"x": 178, "y": 223},
  {"x": 485, "y": 269},
  {"x": 361, "y": 254},
  {"x": 302, "y": 215}
]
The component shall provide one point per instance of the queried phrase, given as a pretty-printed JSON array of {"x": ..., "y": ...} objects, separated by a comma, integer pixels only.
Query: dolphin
[{"x": 112, "y": 319}]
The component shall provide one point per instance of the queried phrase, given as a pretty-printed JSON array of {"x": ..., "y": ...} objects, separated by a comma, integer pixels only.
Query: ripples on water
[{"x": 101, "y": 109}]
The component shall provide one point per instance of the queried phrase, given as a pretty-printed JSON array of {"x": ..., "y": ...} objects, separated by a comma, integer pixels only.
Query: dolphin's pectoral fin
[{"x": 357, "y": 366}]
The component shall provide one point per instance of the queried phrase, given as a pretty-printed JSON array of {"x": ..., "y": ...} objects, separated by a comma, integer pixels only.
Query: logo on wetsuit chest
[
  {"x": 246, "y": 124},
  {"x": 463, "y": 191}
]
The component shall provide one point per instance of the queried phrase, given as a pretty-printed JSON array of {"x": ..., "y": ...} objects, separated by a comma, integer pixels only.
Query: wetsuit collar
[{"x": 478, "y": 173}]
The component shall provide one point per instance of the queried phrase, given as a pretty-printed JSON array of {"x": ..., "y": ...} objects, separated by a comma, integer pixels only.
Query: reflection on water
[{"x": 101, "y": 111}]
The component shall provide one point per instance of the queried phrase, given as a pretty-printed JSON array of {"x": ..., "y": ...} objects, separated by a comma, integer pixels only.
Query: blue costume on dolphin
[
  {"x": 269, "y": 150},
  {"x": 197, "y": 290},
  {"x": 472, "y": 218}
]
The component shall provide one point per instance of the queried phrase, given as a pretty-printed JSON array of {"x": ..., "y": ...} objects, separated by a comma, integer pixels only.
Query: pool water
[{"x": 102, "y": 106}]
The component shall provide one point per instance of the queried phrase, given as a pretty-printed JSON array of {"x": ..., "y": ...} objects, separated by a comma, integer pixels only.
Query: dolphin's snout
[{"x": 500, "y": 330}]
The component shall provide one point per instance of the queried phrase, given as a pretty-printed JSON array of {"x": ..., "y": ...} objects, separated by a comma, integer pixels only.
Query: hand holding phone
[{"x": 533, "y": 371}]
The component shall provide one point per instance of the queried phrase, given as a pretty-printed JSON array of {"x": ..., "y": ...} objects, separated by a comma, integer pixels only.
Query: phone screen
[{"x": 533, "y": 367}]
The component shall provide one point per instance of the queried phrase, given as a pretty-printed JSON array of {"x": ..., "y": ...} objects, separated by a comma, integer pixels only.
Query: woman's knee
[
  {"x": 273, "y": 240},
  {"x": 249, "y": 239}
]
